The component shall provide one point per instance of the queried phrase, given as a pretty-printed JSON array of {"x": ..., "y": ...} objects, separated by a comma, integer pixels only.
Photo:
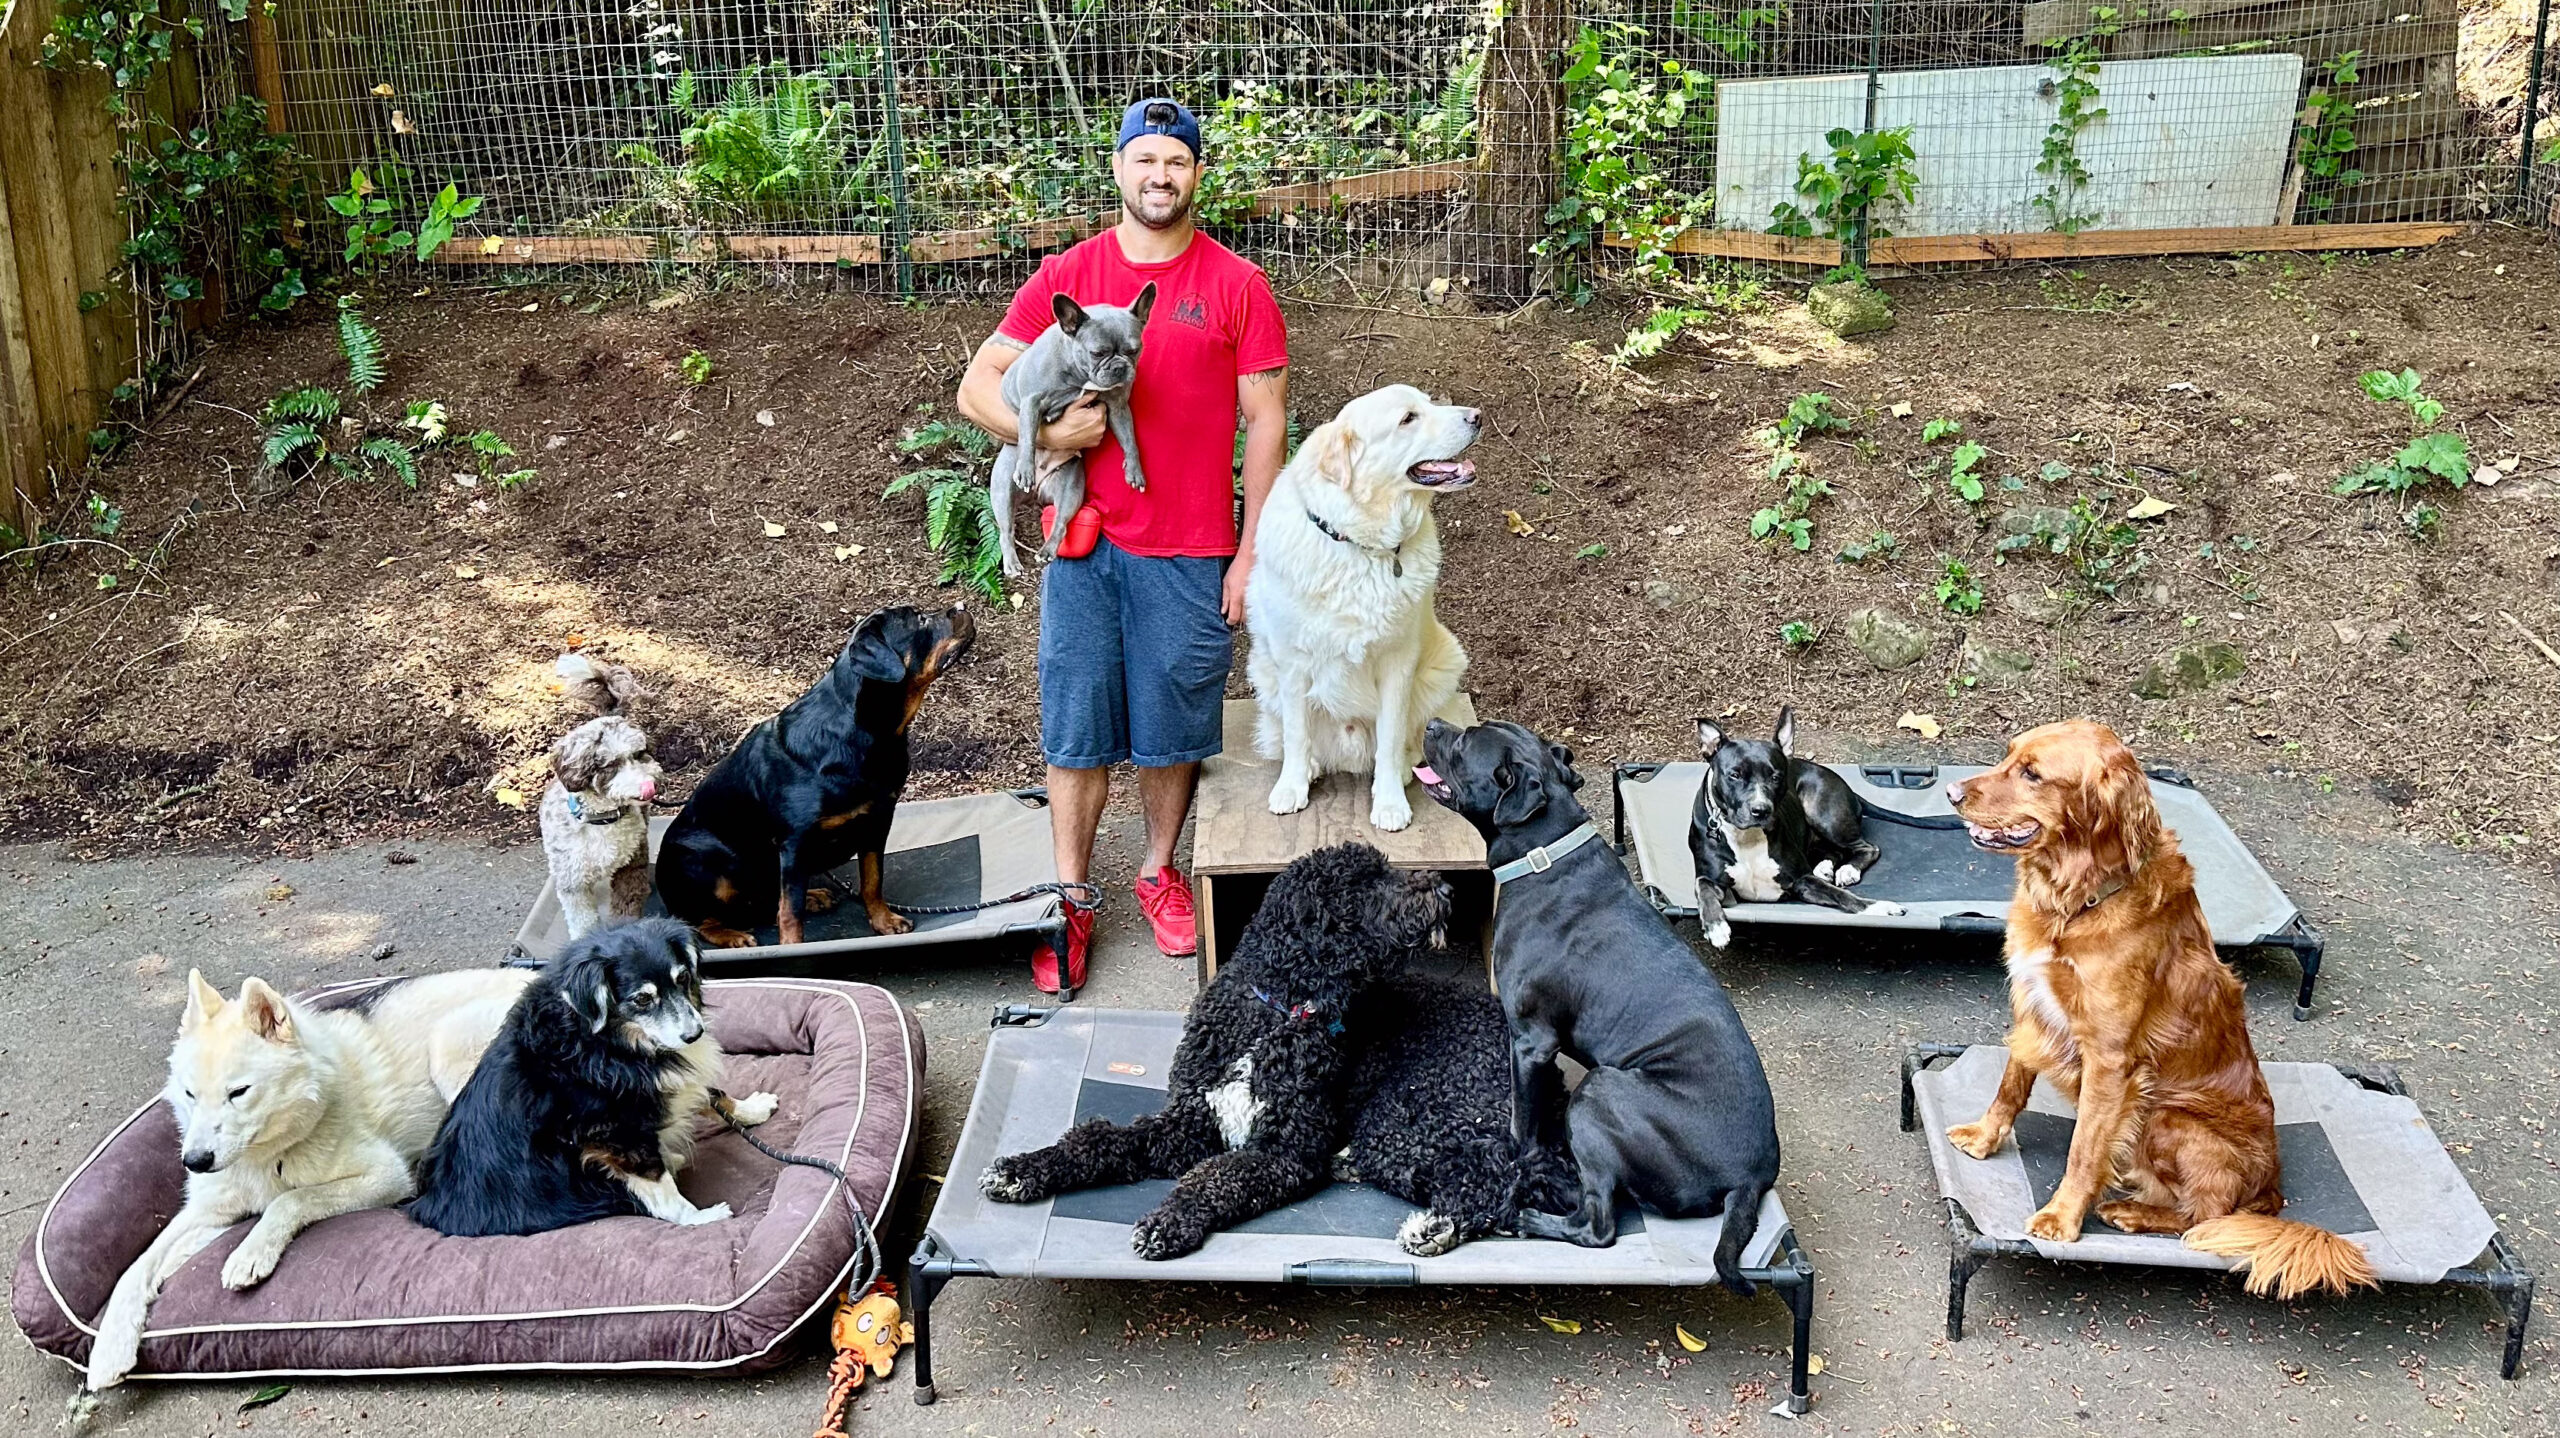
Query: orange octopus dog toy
[{"x": 868, "y": 1334}]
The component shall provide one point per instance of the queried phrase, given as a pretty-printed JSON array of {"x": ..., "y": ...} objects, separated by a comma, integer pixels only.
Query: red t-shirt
[{"x": 1214, "y": 319}]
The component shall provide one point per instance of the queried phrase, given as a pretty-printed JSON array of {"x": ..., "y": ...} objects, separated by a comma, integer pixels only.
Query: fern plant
[
  {"x": 959, "y": 525},
  {"x": 367, "y": 366},
  {"x": 771, "y": 146}
]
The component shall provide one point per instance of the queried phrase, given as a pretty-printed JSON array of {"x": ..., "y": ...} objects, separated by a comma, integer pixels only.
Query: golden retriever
[
  {"x": 2117, "y": 998},
  {"x": 1348, "y": 661}
]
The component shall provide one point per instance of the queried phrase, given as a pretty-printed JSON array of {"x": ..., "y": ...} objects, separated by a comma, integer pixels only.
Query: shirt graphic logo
[{"x": 1190, "y": 311}]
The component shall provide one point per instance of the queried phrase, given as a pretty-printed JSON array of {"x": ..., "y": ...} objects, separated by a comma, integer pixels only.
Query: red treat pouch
[{"x": 1083, "y": 531}]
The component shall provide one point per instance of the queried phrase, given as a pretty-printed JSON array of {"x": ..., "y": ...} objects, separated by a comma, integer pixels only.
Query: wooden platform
[{"x": 1239, "y": 844}]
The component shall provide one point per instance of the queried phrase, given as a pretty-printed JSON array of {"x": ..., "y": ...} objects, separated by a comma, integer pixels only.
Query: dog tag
[{"x": 1132, "y": 1070}]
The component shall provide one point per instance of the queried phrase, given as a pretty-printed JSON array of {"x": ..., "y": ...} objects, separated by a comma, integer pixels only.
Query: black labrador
[
  {"x": 1675, "y": 1109},
  {"x": 810, "y": 788}
]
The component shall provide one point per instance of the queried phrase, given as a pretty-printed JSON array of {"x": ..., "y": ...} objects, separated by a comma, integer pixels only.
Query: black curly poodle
[
  {"x": 1255, "y": 1109},
  {"x": 1431, "y": 1113}
]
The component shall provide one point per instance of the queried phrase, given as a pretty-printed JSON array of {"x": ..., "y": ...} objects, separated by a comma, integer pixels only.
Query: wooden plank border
[{"x": 2086, "y": 245}]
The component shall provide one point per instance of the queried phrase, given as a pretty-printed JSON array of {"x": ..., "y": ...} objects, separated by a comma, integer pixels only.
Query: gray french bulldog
[{"x": 1090, "y": 350}]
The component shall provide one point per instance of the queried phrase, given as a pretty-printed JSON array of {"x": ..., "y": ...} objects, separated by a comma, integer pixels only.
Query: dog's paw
[
  {"x": 755, "y": 1108},
  {"x": 1004, "y": 1182},
  {"x": 716, "y": 1213},
  {"x": 118, "y": 1349},
  {"x": 1165, "y": 1234},
  {"x": 1823, "y": 871},
  {"x": 1344, "y": 1170},
  {"x": 255, "y": 1258},
  {"x": 1978, "y": 1139},
  {"x": 1886, "y": 909},
  {"x": 1847, "y": 875},
  {"x": 1427, "y": 1234},
  {"x": 2052, "y": 1224},
  {"x": 889, "y": 921},
  {"x": 1288, "y": 796},
  {"x": 1390, "y": 812},
  {"x": 1719, "y": 934},
  {"x": 817, "y": 900}
]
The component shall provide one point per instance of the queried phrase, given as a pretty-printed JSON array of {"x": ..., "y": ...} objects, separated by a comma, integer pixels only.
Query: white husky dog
[
  {"x": 1348, "y": 660},
  {"x": 293, "y": 1114}
]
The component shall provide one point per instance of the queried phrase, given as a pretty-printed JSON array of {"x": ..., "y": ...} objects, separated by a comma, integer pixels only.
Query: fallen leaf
[
  {"x": 529, "y": 309},
  {"x": 668, "y": 302},
  {"x": 1519, "y": 526},
  {"x": 2151, "y": 507},
  {"x": 465, "y": 571},
  {"x": 1924, "y": 725},
  {"x": 847, "y": 551},
  {"x": 1901, "y": 410},
  {"x": 773, "y": 530},
  {"x": 1813, "y": 1364},
  {"x": 826, "y": 526},
  {"x": 491, "y": 245},
  {"x": 1689, "y": 1340},
  {"x": 679, "y": 436},
  {"x": 512, "y": 798},
  {"x": 2283, "y": 476},
  {"x": 765, "y": 417},
  {"x": 2506, "y": 464},
  {"x": 273, "y": 1391},
  {"x": 1015, "y": 599},
  {"x": 385, "y": 90},
  {"x": 572, "y": 641},
  {"x": 1561, "y": 1325},
  {"x": 278, "y": 893}
]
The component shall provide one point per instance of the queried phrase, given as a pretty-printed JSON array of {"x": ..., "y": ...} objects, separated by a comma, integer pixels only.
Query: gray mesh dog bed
[
  {"x": 1944, "y": 883},
  {"x": 2359, "y": 1160},
  {"x": 966, "y": 856},
  {"x": 1047, "y": 1069}
]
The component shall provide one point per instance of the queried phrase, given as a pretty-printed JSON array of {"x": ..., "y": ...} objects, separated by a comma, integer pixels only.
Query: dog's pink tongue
[{"x": 1426, "y": 774}]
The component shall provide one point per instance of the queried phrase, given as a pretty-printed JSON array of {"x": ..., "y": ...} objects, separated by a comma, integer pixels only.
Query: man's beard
[{"x": 1134, "y": 205}]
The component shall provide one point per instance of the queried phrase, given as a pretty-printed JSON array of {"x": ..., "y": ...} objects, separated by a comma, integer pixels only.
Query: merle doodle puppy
[
  {"x": 1675, "y": 1109},
  {"x": 1431, "y": 1114},
  {"x": 1770, "y": 826},
  {"x": 1091, "y": 350},
  {"x": 1256, "y": 1105}
]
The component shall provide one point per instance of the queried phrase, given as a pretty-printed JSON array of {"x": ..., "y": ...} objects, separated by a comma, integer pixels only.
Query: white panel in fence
[{"x": 2185, "y": 144}]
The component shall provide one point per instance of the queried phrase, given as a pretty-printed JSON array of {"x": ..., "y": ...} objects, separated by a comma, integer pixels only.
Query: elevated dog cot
[
  {"x": 2359, "y": 1160},
  {"x": 966, "y": 857},
  {"x": 1934, "y": 872},
  {"x": 1047, "y": 1069}
]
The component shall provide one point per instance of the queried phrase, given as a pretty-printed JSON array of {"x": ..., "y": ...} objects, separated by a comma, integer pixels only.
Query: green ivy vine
[{"x": 2076, "y": 108}]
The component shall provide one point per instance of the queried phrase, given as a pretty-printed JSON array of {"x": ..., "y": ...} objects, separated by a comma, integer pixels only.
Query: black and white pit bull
[
  {"x": 1676, "y": 1108},
  {"x": 1770, "y": 826}
]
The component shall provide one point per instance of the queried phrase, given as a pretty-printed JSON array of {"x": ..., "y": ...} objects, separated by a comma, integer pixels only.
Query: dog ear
[
  {"x": 578, "y": 759},
  {"x": 1332, "y": 450},
  {"x": 264, "y": 1011},
  {"x": 1146, "y": 301},
  {"x": 1523, "y": 797},
  {"x": 1070, "y": 315},
  {"x": 871, "y": 653},
  {"x": 1562, "y": 754},
  {"x": 1787, "y": 730},
  {"x": 2124, "y": 824},
  {"x": 203, "y": 1002},
  {"x": 1710, "y": 739},
  {"x": 588, "y": 992}
]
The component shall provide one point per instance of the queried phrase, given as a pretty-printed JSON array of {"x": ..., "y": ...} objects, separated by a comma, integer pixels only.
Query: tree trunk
[{"x": 1520, "y": 149}]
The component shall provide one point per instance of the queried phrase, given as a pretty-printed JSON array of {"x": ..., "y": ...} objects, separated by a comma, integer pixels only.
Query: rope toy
[{"x": 868, "y": 1332}]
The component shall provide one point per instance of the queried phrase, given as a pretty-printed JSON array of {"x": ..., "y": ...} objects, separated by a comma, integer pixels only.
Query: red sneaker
[
  {"x": 1166, "y": 898},
  {"x": 1044, "y": 959}
]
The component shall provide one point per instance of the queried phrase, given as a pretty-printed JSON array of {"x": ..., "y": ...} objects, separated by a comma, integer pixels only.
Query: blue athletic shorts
[{"x": 1133, "y": 659}]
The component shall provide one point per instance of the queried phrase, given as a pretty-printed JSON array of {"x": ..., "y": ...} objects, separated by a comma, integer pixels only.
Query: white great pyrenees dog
[{"x": 1348, "y": 660}]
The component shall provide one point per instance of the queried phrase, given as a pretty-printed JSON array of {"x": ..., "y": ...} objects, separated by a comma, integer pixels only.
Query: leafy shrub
[{"x": 958, "y": 524}]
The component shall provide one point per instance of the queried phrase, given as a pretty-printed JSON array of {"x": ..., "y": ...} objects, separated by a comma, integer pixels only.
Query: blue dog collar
[
  {"x": 1543, "y": 858},
  {"x": 1300, "y": 1011}
]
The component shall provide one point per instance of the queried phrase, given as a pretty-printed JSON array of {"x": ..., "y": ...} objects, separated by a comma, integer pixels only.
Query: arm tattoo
[
  {"x": 1008, "y": 341},
  {"x": 1268, "y": 376}
]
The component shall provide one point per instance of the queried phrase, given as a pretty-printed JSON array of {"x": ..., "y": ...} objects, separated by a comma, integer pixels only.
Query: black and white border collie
[
  {"x": 1769, "y": 827},
  {"x": 584, "y": 1106}
]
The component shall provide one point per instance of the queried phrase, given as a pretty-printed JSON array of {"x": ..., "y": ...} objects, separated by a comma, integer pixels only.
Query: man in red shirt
[{"x": 1136, "y": 638}]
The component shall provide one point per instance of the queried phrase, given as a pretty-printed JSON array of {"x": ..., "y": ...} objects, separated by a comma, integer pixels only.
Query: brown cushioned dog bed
[{"x": 374, "y": 1292}]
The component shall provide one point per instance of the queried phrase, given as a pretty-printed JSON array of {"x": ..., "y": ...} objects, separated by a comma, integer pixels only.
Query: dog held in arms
[
  {"x": 1090, "y": 354},
  {"x": 584, "y": 1105},
  {"x": 292, "y": 1112},
  {"x": 1348, "y": 659},
  {"x": 2117, "y": 998},
  {"x": 1769, "y": 826},
  {"x": 1675, "y": 1109},
  {"x": 595, "y": 817},
  {"x": 810, "y": 788},
  {"x": 1255, "y": 1107}
]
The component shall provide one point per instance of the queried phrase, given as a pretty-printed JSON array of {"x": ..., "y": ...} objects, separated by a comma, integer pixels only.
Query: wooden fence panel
[{"x": 58, "y": 184}]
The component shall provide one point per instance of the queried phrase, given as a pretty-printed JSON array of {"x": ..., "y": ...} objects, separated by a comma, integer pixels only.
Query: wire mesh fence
[{"x": 1514, "y": 146}]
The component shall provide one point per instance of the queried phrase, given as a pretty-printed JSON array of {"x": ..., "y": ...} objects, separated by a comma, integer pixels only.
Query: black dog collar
[{"x": 1395, "y": 555}]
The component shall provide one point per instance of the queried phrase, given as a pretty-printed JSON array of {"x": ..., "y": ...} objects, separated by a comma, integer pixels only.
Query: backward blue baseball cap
[{"x": 1159, "y": 116}]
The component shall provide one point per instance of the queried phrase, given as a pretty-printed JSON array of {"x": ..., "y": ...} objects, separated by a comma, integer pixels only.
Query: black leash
[
  {"x": 1082, "y": 896},
  {"x": 866, "y": 1249}
]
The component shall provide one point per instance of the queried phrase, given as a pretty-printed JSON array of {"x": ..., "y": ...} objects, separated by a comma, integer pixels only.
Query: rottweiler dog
[{"x": 813, "y": 786}]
